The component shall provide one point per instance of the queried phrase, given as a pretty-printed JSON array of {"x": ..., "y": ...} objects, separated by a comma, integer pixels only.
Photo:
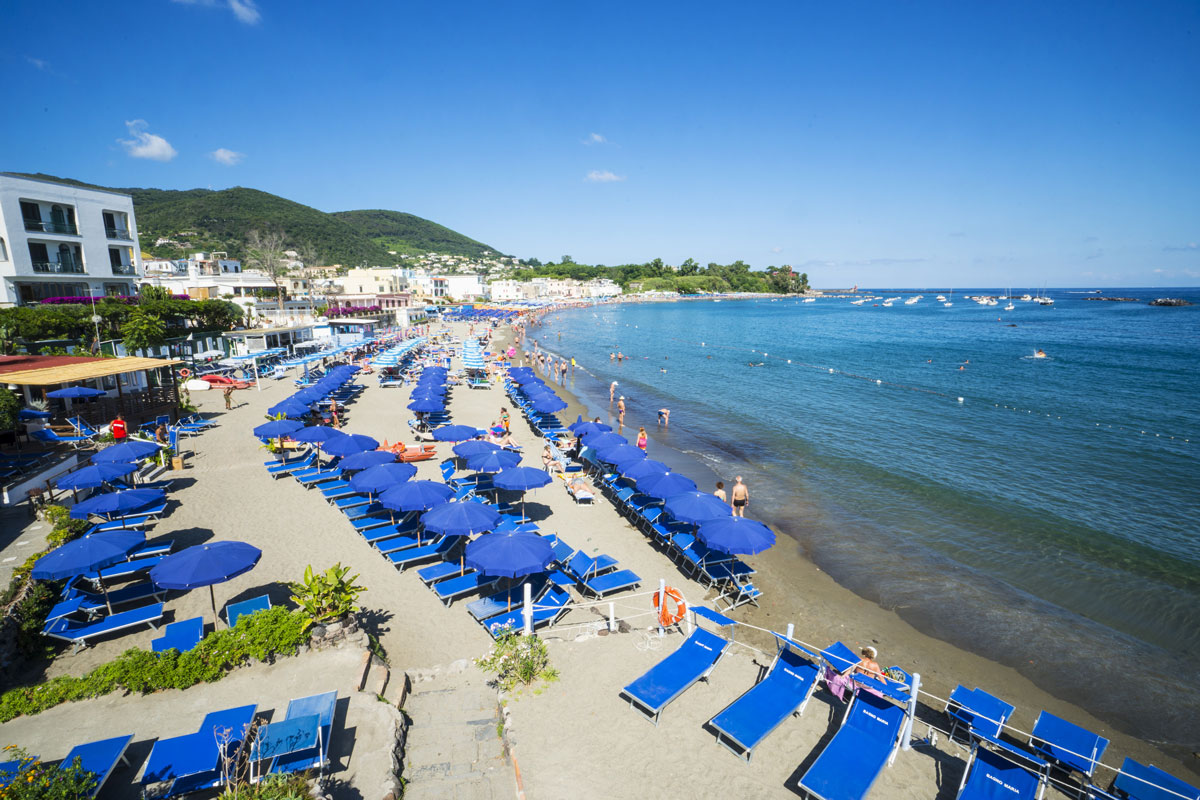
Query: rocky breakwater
[
  {"x": 1170, "y": 301},
  {"x": 1113, "y": 299}
]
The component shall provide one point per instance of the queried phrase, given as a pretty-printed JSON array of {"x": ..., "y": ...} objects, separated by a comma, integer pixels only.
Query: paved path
[{"x": 454, "y": 750}]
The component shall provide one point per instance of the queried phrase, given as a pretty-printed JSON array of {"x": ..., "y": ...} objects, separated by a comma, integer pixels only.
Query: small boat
[
  {"x": 887, "y": 303},
  {"x": 857, "y": 302},
  {"x": 810, "y": 299},
  {"x": 1026, "y": 298},
  {"x": 950, "y": 302},
  {"x": 941, "y": 298},
  {"x": 912, "y": 301}
]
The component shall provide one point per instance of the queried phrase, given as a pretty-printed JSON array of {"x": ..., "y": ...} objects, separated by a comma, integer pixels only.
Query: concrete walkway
[{"x": 454, "y": 749}]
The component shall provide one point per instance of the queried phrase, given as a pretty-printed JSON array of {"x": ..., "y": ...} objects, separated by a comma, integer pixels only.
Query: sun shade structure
[
  {"x": 116, "y": 502},
  {"x": 521, "y": 479},
  {"x": 365, "y": 459},
  {"x": 95, "y": 475},
  {"x": 75, "y": 392},
  {"x": 588, "y": 428},
  {"x": 350, "y": 444},
  {"x": 289, "y": 408},
  {"x": 474, "y": 447},
  {"x": 93, "y": 552},
  {"x": 128, "y": 450},
  {"x": 455, "y": 433},
  {"x": 622, "y": 455},
  {"x": 416, "y": 496},
  {"x": 494, "y": 461},
  {"x": 665, "y": 485},
  {"x": 549, "y": 404},
  {"x": 637, "y": 470},
  {"x": 205, "y": 565},
  {"x": 510, "y": 554},
  {"x": 460, "y": 519},
  {"x": 277, "y": 427},
  {"x": 384, "y": 476},
  {"x": 697, "y": 507},
  {"x": 736, "y": 535},
  {"x": 316, "y": 434},
  {"x": 426, "y": 405},
  {"x": 601, "y": 441},
  {"x": 85, "y": 370}
]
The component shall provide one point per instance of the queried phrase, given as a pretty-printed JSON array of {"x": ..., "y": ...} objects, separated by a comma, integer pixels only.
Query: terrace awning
[{"x": 73, "y": 373}]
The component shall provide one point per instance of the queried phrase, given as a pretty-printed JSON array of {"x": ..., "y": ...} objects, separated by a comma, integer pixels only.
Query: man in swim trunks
[
  {"x": 741, "y": 496},
  {"x": 664, "y": 417}
]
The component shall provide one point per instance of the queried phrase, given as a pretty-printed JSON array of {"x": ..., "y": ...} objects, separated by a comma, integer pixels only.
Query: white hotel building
[{"x": 59, "y": 240}]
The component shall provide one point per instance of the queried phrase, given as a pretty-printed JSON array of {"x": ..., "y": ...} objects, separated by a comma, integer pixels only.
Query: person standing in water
[
  {"x": 664, "y": 417},
  {"x": 621, "y": 411},
  {"x": 741, "y": 497},
  {"x": 612, "y": 390}
]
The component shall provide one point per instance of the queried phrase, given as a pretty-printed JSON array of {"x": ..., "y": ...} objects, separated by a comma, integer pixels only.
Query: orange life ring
[
  {"x": 666, "y": 617},
  {"x": 185, "y": 373}
]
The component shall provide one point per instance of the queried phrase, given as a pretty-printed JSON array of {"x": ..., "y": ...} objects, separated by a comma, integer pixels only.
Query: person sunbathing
[
  {"x": 578, "y": 486},
  {"x": 549, "y": 462}
]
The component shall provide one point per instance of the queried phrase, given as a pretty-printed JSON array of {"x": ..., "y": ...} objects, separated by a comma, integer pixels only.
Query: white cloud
[
  {"x": 226, "y": 157},
  {"x": 1187, "y": 248},
  {"x": 38, "y": 63},
  {"x": 776, "y": 249},
  {"x": 603, "y": 176},
  {"x": 245, "y": 10},
  {"x": 146, "y": 145},
  {"x": 595, "y": 138}
]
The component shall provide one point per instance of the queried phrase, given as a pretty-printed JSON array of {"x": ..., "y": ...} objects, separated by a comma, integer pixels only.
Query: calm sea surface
[{"x": 1050, "y": 520}]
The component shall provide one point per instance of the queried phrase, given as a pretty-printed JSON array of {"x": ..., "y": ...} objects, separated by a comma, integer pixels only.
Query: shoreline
[{"x": 826, "y": 611}]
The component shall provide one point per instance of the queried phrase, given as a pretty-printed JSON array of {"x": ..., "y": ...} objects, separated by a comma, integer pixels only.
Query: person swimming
[{"x": 1040, "y": 353}]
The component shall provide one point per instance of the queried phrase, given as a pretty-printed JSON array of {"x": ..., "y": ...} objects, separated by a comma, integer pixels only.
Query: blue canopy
[
  {"x": 277, "y": 427},
  {"x": 510, "y": 554},
  {"x": 549, "y": 404},
  {"x": 205, "y": 565},
  {"x": 76, "y": 392},
  {"x": 736, "y": 535},
  {"x": 622, "y": 455},
  {"x": 460, "y": 519},
  {"x": 474, "y": 447},
  {"x": 647, "y": 466},
  {"x": 384, "y": 476},
  {"x": 116, "y": 502},
  {"x": 521, "y": 479},
  {"x": 493, "y": 461},
  {"x": 697, "y": 507},
  {"x": 455, "y": 433},
  {"x": 350, "y": 444},
  {"x": 316, "y": 434},
  {"x": 365, "y": 459},
  {"x": 526, "y": 378},
  {"x": 426, "y": 404},
  {"x": 128, "y": 450},
  {"x": 416, "y": 496},
  {"x": 95, "y": 475},
  {"x": 289, "y": 408},
  {"x": 588, "y": 428},
  {"x": 665, "y": 484},
  {"x": 600, "y": 441},
  {"x": 95, "y": 551}
]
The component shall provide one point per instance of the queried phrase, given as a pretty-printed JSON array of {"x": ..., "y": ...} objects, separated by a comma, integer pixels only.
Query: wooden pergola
[{"x": 137, "y": 404}]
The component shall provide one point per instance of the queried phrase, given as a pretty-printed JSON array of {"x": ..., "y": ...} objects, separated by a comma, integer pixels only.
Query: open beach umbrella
[
  {"x": 205, "y": 565},
  {"x": 640, "y": 469},
  {"x": 474, "y": 447},
  {"x": 384, "y": 476},
  {"x": 128, "y": 450},
  {"x": 427, "y": 404},
  {"x": 622, "y": 455},
  {"x": 494, "y": 461},
  {"x": 416, "y": 496},
  {"x": 350, "y": 444},
  {"x": 697, "y": 507},
  {"x": 277, "y": 428},
  {"x": 526, "y": 378},
  {"x": 589, "y": 428},
  {"x": 75, "y": 392},
  {"x": 736, "y": 535},
  {"x": 549, "y": 404},
  {"x": 665, "y": 484},
  {"x": 289, "y": 408},
  {"x": 308, "y": 396},
  {"x": 116, "y": 502},
  {"x": 92, "y": 552},
  {"x": 521, "y": 479},
  {"x": 602, "y": 441},
  {"x": 460, "y": 519},
  {"x": 455, "y": 433},
  {"x": 95, "y": 475},
  {"x": 510, "y": 554},
  {"x": 316, "y": 434},
  {"x": 366, "y": 459}
]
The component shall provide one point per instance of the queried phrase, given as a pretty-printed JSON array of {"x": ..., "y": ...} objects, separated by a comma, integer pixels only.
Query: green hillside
[
  {"x": 208, "y": 220},
  {"x": 406, "y": 233}
]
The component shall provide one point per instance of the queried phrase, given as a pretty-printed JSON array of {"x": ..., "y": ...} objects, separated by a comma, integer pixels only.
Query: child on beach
[
  {"x": 720, "y": 492},
  {"x": 642, "y": 439}
]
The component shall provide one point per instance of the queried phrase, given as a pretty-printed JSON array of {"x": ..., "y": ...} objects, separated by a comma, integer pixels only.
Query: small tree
[
  {"x": 10, "y": 407},
  {"x": 327, "y": 596},
  {"x": 142, "y": 329},
  {"x": 265, "y": 251}
]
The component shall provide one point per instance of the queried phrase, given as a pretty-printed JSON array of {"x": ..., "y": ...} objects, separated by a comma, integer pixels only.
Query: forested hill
[
  {"x": 405, "y": 233},
  {"x": 194, "y": 220}
]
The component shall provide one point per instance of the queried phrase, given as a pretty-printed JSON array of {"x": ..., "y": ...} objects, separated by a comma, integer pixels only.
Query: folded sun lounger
[
  {"x": 691, "y": 662},
  {"x": 982, "y": 714},
  {"x": 100, "y": 758},
  {"x": 992, "y": 775},
  {"x": 784, "y": 691},
  {"x": 79, "y": 634}
]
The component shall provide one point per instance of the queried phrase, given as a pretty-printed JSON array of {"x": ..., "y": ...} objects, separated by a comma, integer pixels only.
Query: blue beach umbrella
[
  {"x": 75, "y": 392},
  {"x": 416, "y": 496},
  {"x": 494, "y": 461},
  {"x": 276, "y": 428},
  {"x": 95, "y": 475},
  {"x": 205, "y": 565},
  {"x": 427, "y": 405},
  {"x": 455, "y": 433},
  {"x": 365, "y": 459},
  {"x": 602, "y": 441},
  {"x": 116, "y": 502},
  {"x": 574, "y": 426},
  {"x": 589, "y": 428},
  {"x": 474, "y": 447},
  {"x": 548, "y": 404},
  {"x": 460, "y": 519},
  {"x": 128, "y": 450},
  {"x": 736, "y": 535},
  {"x": 526, "y": 378},
  {"x": 384, "y": 476},
  {"x": 665, "y": 484},
  {"x": 510, "y": 554},
  {"x": 622, "y": 455},
  {"x": 316, "y": 434},
  {"x": 93, "y": 552},
  {"x": 521, "y": 479},
  {"x": 640, "y": 469},
  {"x": 697, "y": 507},
  {"x": 350, "y": 444},
  {"x": 289, "y": 408}
]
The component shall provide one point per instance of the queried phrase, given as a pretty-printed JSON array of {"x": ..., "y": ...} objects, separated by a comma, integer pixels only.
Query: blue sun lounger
[
  {"x": 980, "y": 713},
  {"x": 181, "y": 636},
  {"x": 300, "y": 741},
  {"x": 867, "y": 741},
  {"x": 675, "y": 674},
  {"x": 545, "y": 612},
  {"x": 191, "y": 762},
  {"x": 464, "y": 584},
  {"x": 1140, "y": 782},
  {"x": 122, "y": 570},
  {"x": 411, "y": 556},
  {"x": 235, "y": 611},
  {"x": 504, "y": 602},
  {"x": 784, "y": 691},
  {"x": 440, "y": 572},
  {"x": 79, "y": 634},
  {"x": 288, "y": 467},
  {"x": 1067, "y": 745},
  {"x": 992, "y": 775},
  {"x": 94, "y": 604},
  {"x": 608, "y": 583},
  {"x": 100, "y": 758}
]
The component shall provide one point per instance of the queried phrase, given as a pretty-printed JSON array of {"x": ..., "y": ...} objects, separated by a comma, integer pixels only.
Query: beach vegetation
[
  {"x": 258, "y": 637},
  {"x": 10, "y": 408},
  {"x": 516, "y": 659},
  {"x": 326, "y": 596},
  {"x": 32, "y": 778}
]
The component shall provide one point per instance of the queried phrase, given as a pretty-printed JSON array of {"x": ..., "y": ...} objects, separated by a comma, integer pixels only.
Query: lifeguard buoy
[
  {"x": 185, "y": 373},
  {"x": 666, "y": 617}
]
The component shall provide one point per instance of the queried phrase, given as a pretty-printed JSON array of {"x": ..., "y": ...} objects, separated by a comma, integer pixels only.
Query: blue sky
[{"x": 922, "y": 144}]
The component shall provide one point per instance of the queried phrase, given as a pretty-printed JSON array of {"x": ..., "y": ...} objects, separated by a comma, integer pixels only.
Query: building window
[{"x": 3, "y": 250}]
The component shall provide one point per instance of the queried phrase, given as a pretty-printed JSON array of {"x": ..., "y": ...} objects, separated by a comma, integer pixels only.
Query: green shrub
[
  {"x": 517, "y": 659},
  {"x": 326, "y": 596},
  {"x": 256, "y": 637}
]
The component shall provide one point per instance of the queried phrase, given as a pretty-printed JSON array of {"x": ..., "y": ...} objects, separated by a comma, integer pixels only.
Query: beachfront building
[
  {"x": 58, "y": 240},
  {"x": 465, "y": 288},
  {"x": 370, "y": 281},
  {"x": 505, "y": 291}
]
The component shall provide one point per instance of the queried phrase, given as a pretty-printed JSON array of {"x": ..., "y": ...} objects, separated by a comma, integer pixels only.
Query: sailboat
[
  {"x": 949, "y": 302},
  {"x": 1010, "y": 305}
]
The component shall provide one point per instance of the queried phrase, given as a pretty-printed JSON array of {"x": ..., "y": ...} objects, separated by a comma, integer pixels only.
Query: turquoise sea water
[{"x": 1050, "y": 520}]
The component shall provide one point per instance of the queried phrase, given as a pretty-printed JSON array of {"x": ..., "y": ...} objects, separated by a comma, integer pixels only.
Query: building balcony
[
  {"x": 58, "y": 267},
  {"x": 124, "y": 269},
  {"x": 51, "y": 227},
  {"x": 118, "y": 233}
]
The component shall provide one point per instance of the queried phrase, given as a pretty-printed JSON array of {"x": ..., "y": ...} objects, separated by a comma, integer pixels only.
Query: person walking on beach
[
  {"x": 721, "y": 493},
  {"x": 572, "y": 365},
  {"x": 612, "y": 390},
  {"x": 504, "y": 418},
  {"x": 621, "y": 411},
  {"x": 741, "y": 496},
  {"x": 642, "y": 439},
  {"x": 664, "y": 417},
  {"x": 228, "y": 398}
]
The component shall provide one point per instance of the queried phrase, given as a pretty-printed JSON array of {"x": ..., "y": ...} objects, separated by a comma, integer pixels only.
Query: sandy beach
[{"x": 575, "y": 737}]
